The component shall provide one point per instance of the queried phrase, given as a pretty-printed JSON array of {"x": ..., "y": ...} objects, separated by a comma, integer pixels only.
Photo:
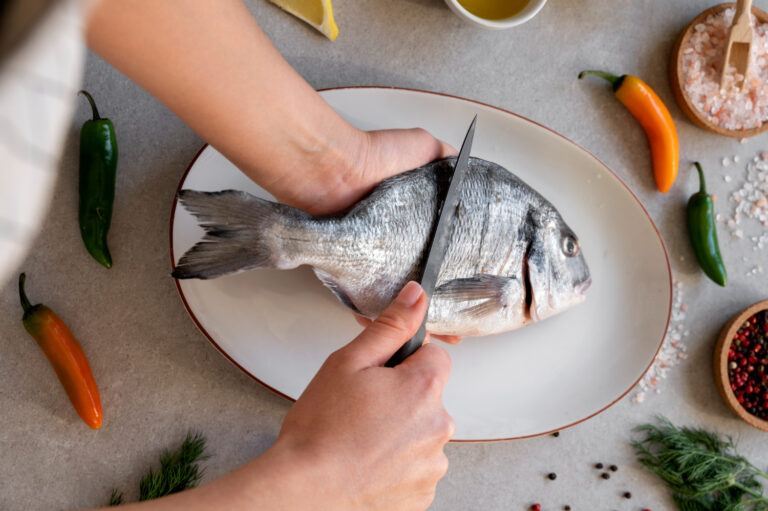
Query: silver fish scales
[{"x": 511, "y": 259}]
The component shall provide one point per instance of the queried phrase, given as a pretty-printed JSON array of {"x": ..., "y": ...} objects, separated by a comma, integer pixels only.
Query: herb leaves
[
  {"x": 703, "y": 471},
  {"x": 179, "y": 470}
]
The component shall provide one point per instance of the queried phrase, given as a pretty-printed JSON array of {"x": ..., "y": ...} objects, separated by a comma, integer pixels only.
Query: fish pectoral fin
[
  {"x": 496, "y": 292},
  {"x": 331, "y": 283}
]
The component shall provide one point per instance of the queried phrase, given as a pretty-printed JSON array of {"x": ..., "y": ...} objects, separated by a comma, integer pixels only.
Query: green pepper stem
[
  {"x": 93, "y": 104},
  {"x": 614, "y": 80},
  {"x": 701, "y": 178},
  {"x": 602, "y": 74},
  {"x": 24, "y": 300}
]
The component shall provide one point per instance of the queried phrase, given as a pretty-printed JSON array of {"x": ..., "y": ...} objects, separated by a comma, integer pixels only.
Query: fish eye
[{"x": 570, "y": 246}]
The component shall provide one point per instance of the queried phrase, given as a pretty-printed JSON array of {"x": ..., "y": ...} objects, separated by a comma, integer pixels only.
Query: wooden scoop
[{"x": 739, "y": 42}]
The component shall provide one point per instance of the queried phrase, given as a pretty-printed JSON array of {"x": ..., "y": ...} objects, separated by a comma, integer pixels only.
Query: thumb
[{"x": 398, "y": 323}]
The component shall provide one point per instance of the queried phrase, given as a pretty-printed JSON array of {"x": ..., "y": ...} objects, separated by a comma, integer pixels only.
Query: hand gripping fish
[{"x": 511, "y": 258}]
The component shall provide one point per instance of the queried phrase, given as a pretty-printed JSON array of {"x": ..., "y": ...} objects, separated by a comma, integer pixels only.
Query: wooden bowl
[
  {"x": 720, "y": 364},
  {"x": 676, "y": 77}
]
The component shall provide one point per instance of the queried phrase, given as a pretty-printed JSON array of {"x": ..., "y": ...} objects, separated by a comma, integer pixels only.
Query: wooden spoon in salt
[{"x": 739, "y": 43}]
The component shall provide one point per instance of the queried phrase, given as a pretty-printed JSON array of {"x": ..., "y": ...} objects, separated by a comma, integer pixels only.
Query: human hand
[
  {"x": 352, "y": 170},
  {"x": 450, "y": 339},
  {"x": 375, "y": 435}
]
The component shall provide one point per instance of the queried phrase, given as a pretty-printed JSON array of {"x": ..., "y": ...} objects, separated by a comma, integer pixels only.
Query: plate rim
[{"x": 451, "y": 96}]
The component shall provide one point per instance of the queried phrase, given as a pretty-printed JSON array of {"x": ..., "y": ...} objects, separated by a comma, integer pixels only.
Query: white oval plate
[{"x": 279, "y": 326}]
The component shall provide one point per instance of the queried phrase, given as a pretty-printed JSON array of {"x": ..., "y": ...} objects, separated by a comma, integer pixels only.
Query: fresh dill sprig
[
  {"x": 703, "y": 470},
  {"x": 179, "y": 470},
  {"x": 116, "y": 498}
]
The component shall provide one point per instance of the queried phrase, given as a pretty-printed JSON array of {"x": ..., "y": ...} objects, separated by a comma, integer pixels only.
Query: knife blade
[{"x": 439, "y": 242}]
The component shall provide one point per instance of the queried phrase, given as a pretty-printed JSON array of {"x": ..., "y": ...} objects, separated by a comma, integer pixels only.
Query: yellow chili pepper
[{"x": 654, "y": 117}]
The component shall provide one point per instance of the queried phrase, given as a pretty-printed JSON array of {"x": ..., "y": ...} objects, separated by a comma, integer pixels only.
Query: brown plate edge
[{"x": 637, "y": 199}]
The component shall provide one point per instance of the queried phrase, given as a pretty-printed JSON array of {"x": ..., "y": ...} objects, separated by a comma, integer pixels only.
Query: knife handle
[{"x": 410, "y": 347}]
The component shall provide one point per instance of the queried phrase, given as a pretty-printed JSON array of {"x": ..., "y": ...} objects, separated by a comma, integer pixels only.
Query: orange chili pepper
[
  {"x": 655, "y": 119},
  {"x": 65, "y": 355}
]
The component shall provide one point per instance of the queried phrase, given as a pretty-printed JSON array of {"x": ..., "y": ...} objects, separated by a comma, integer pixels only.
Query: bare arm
[
  {"x": 361, "y": 436},
  {"x": 210, "y": 63}
]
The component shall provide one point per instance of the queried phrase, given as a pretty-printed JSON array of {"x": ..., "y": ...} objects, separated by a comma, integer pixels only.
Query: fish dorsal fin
[
  {"x": 494, "y": 291},
  {"x": 331, "y": 283}
]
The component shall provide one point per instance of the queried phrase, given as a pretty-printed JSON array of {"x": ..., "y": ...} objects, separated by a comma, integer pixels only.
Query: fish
[{"x": 511, "y": 258}]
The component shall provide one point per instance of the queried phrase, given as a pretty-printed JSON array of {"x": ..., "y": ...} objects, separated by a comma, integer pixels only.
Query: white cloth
[{"x": 38, "y": 87}]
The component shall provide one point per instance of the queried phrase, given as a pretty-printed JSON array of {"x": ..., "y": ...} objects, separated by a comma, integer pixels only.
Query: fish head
[{"x": 555, "y": 272}]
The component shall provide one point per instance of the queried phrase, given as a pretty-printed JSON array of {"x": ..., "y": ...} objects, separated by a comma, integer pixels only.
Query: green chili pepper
[
  {"x": 98, "y": 164},
  {"x": 701, "y": 228}
]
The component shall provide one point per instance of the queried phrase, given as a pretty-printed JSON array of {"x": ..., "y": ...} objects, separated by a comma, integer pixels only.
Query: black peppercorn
[
  {"x": 552, "y": 476},
  {"x": 627, "y": 495},
  {"x": 605, "y": 475},
  {"x": 598, "y": 466},
  {"x": 613, "y": 468}
]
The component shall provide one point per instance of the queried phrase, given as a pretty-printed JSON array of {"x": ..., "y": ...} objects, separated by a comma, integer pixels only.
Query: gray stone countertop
[{"x": 159, "y": 376}]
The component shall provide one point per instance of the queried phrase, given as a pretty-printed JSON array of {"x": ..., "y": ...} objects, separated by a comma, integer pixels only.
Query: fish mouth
[{"x": 581, "y": 288}]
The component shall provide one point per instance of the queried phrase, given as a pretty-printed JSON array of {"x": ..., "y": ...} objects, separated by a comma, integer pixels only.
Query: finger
[
  {"x": 427, "y": 148},
  {"x": 431, "y": 362},
  {"x": 447, "y": 149},
  {"x": 387, "y": 333},
  {"x": 450, "y": 339},
  {"x": 363, "y": 321},
  {"x": 398, "y": 150}
]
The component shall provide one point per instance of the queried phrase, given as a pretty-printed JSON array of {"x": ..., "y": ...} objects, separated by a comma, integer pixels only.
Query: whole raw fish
[{"x": 511, "y": 257}]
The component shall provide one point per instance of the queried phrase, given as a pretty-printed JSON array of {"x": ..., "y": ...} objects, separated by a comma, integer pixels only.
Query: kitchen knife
[{"x": 439, "y": 243}]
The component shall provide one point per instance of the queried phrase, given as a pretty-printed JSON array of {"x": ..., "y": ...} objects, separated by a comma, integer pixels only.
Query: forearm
[
  {"x": 278, "y": 479},
  {"x": 209, "y": 62}
]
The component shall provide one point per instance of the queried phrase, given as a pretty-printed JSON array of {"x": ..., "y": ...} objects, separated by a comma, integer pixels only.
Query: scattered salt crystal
[
  {"x": 672, "y": 349},
  {"x": 736, "y": 158},
  {"x": 738, "y": 233},
  {"x": 727, "y": 178},
  {"x": 726, "y": 161},
  {"x": 743, "y": 141}
]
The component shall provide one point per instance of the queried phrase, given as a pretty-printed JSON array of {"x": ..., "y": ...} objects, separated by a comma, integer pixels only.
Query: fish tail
[{"x": 241, "y": 233}]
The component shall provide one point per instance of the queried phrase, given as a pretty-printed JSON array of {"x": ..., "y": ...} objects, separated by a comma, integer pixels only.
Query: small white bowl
[{"x": 528, "y": 12}]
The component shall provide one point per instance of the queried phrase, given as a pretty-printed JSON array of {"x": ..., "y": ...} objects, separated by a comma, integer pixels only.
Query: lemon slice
[{"x": 317, "y": 13}]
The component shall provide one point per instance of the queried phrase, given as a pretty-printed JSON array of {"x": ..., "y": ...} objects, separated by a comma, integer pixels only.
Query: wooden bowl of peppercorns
[{"x": 741, "y": 365}]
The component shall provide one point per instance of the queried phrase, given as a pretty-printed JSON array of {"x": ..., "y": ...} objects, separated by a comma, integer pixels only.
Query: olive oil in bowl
[{"x": 494, "y": 9}]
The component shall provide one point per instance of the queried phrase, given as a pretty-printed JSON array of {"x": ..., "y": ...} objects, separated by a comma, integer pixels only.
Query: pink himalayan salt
[{"x": 703, "y": 56}]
